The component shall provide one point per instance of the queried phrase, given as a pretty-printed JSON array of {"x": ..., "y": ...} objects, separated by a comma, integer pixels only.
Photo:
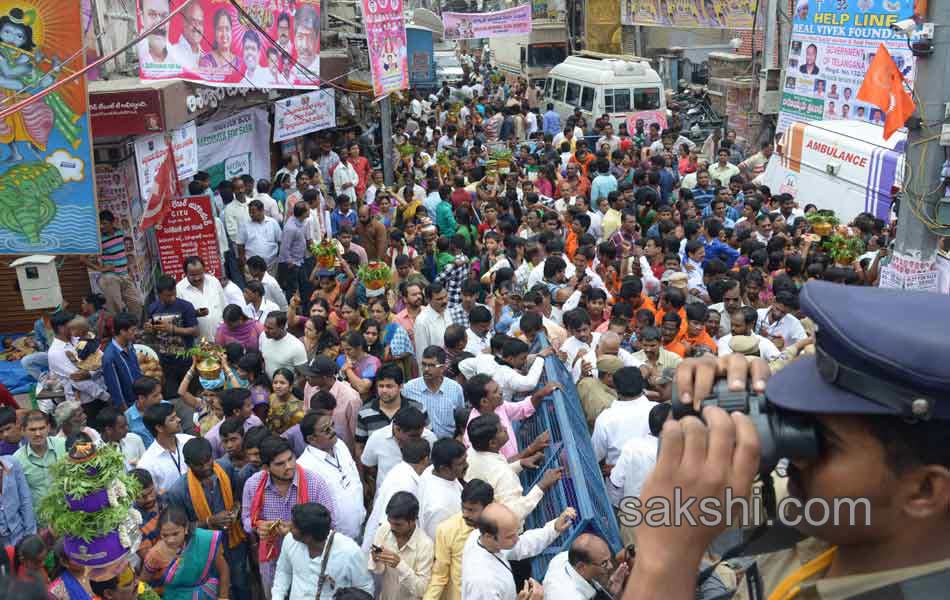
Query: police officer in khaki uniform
[{"x": 877, "y": 391}]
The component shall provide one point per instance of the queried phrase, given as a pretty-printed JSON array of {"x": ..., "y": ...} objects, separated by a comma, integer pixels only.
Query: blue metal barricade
[{"x": 582, "y": 486}]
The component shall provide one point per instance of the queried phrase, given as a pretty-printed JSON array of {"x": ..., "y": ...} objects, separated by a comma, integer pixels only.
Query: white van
[{"x": 603, "y": 85}]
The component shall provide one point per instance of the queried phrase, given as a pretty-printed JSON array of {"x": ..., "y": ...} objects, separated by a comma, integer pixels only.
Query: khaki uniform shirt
[
  {"x": 595, "y": 398},
  {"x": 775, "y": 567}
]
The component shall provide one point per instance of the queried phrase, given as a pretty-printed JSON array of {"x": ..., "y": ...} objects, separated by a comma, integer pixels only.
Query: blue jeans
[{"x": 35, "y": 364}]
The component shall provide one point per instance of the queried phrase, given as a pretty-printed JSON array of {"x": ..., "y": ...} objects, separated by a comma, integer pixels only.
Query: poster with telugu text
[
  {"x": 386, "y": 41},
  {"x": 831, "y": 47},
  {"x": 719, "y": 14},
  {"x": 47, "y": 180},
  {"x": 471, "y": 26},
  {"x": 273, "y": 44},
  {"x": 303, "y": 114},
  {"x": 188, "y": 230}
]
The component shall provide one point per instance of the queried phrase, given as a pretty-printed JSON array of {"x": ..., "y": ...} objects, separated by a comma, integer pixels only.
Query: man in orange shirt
[
  {"x": 696, "y": 335},
  {"x": 673, "y": 300},
  {"x": 579, "y": 184},
  {"x": 670, "y": 336},
  {"x": 583, "y": 158}
]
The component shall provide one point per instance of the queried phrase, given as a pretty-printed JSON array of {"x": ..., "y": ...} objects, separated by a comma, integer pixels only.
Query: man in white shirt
[
  {"x": 744, "y": 340},
  {"x": 405, "y": 476},
  {"x": 345, "y": 177},
  {"x": 256, "y": 306},
  {"x": 280, "y": 349},
  {"x": 302, "y": 558},
  {"x": 327, "y": 456},
  {"x": 486, "y": 571},
  {"x": 637, "y": 459},
  {"x": 115, "y": 430},
  {"x": 205, "y": 294},
  {"x": 722, "y": 171},
  {"x": 260, "y": 236},
  {"x": 779, "y": 321},
  {"x": 429, "y": 328},
  {"x": 257, "y": 270},
  {"x": 383, "y": 448},
  {"x": 236, "y": 211},
  {"x": 84, "y": 386},
  {"x": 440, "y": 488},
  {"x": 485, "y": 462},
  {"x": 164, "y": 459},
  {"x": 188, "y": 49},
  {"x": 477, "y": 335},
  {"x": 627, "y": 418},
  {"x": 584, "y": 570}
]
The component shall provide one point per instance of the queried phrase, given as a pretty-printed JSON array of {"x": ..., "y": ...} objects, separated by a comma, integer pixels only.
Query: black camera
[{"x": 782, "y": 433}]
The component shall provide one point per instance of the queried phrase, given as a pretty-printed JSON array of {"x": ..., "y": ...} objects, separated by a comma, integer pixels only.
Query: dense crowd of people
[{"x": 353, "y": 442}]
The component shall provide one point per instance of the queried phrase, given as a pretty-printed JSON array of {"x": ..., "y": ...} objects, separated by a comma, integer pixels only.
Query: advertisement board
[
  {"x": 720, "y": 14},
  {"x": 211, "y": 42},
  {"x": 386, "y": 40},
  {"x": 832, "y": 46},
  {"x": 303, "y": 114},
  {"x": 471, "y": 26},
  {"x": 188, "y": 230}
]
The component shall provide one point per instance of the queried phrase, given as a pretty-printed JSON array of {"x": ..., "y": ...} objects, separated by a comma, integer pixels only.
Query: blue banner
[{"x": 833, "y": 43}]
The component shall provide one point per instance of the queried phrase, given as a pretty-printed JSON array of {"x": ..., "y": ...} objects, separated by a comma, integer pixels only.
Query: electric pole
[
  {"x": 386, "y": 122},
  {"x": 916, "y": 243}
]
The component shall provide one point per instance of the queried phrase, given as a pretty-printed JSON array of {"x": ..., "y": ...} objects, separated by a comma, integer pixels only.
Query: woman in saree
[
  {"x": 72, "y": 583},
  {"x": 186, "y": 563},
  {"x": 397, "y": 346}
]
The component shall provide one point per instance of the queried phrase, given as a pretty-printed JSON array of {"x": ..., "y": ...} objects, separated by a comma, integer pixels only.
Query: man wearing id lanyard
[
  {"x": 327, "y": 456},
  {"x": 164, "y": 458}
]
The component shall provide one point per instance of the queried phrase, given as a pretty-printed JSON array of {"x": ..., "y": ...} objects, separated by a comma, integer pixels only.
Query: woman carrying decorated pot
[
  {"x": 187, "y": 563},
  {"x": 72, "y": 583}
]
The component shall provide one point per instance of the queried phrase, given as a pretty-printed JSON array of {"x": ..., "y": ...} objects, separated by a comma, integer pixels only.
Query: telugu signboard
[
  {"x": 188, "y": 230},
  {"x": 720, "y": 14},
  {"x": 832, "y": 46},
  {"x": 303, "y": 114},
  {"x": 129, "y": 112},
  {"x": 210, "y": 42},
  {"x": 471, "y": 26}
]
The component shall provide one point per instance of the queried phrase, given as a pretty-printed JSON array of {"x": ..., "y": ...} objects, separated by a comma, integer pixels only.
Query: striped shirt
[
  {"x": 113, "y": 252},
  {"x": 371, "y": 417},
  {"x": 276, "y": 506},
  {"x": 440, "y": 405}
]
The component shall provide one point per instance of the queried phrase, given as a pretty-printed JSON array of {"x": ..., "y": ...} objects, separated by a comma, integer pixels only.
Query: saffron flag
[
  {"x": 162, "y": 191},
  {"x": 884, "y": 88}
]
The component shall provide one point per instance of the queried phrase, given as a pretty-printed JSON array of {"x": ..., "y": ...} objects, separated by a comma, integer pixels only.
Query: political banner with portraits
[
  {"x": 831, "y": 48},
  {"x": 268, "y": 44},
  {"x": 386, "y": 40},
  {"x": 719, "y": 14}
]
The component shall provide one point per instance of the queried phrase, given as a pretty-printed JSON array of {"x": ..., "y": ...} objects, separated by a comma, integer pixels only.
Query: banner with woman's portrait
[{"x": 266, "y": 44}]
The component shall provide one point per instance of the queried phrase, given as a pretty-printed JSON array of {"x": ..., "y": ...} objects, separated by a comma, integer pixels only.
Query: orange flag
[{"x": 884, "y": 88}]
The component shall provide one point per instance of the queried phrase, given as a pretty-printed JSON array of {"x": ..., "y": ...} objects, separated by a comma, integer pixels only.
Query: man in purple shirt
[
  {"x": 271, "y": 493},
  {"x": 235, "y": 402}
]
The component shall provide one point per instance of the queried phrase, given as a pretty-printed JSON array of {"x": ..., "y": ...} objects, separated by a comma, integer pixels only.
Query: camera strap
[{"x": 757, "y": 534}]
